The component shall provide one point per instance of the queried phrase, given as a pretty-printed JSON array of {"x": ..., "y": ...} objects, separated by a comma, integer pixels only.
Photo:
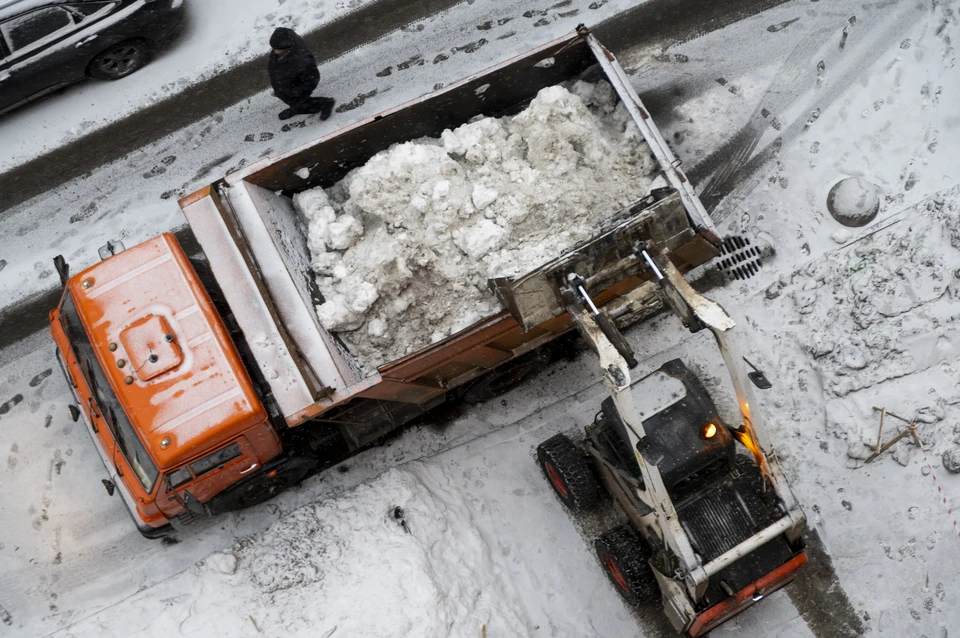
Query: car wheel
[
  {"x": 624, "y": 557},
  {"x": 569, "y": 473},
  {"x": 120, "y": 60}
]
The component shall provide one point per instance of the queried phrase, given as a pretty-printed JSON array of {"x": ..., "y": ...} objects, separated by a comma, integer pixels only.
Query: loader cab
[
  {"x": 159, "y": 383},
  {"x": 685, "y": 435}
]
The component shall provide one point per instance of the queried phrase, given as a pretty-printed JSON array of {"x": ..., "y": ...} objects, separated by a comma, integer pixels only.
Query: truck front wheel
[
  {"x": 624, "y": 557},
  {"x": 262, "y": 487},
  {"x": 569, "y": 473}
]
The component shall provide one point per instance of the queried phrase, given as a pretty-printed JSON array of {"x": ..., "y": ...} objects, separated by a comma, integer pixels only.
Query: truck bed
[{"x": 251, "y": 234}]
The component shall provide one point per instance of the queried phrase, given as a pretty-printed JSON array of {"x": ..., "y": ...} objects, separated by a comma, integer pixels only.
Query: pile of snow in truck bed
[{"x": 403, "y": 246}]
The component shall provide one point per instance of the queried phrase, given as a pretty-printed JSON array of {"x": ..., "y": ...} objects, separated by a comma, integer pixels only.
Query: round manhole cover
[{"x": 853, "y": 202}]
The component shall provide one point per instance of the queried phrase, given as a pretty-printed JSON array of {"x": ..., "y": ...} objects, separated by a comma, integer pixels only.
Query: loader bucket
[{"x": 610, "y": 261}]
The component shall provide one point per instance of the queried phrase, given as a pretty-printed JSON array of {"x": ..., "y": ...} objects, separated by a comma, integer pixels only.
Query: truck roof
[{"x": 182, "y": 382}]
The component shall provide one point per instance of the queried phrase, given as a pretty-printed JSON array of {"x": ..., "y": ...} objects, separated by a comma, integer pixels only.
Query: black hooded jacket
[{"x": 293, "y": 75}]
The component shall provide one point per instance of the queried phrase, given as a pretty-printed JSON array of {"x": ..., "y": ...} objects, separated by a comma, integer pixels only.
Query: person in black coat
[{"x": 294, "y": 76}]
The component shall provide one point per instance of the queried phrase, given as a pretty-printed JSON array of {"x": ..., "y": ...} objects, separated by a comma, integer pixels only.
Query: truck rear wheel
[
  {"x": 569, "y": 473},
  {"x": 263, "y": 487},
  {"x": 624, "y": 557}
]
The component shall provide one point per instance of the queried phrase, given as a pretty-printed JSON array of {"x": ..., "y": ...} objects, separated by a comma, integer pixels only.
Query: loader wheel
[
  {"x": 569, "y": 473},
  {"x": 624, "y": 557},
  {"x": 263, "y": 487}
]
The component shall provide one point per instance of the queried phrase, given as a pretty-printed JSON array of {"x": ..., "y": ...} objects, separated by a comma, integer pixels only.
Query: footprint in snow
[
  {"x": 37, "y": 380},
  {"x": 356, "y": 102},
  {"x": 774, "y": 28}
]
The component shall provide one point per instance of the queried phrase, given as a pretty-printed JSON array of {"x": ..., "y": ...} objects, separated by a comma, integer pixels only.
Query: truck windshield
[{"x": 109, "y": 406}]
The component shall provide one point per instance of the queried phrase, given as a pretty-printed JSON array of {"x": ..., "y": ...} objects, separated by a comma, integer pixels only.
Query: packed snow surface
[
  {"x": 347, "y": 566},
  {"x": 403, "y": 246}
]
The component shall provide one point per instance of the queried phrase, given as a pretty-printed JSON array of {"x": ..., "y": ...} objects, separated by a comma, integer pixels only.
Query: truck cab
[{"x": 159, "y": 382}]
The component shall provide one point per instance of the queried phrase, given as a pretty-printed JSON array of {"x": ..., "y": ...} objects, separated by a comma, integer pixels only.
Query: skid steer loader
[{"x": 712, "y": 524}]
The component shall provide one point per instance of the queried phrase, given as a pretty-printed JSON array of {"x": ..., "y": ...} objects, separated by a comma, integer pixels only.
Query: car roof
[
  {"x": 195, "y": 394},
  {"x": 11, "y": 8}
]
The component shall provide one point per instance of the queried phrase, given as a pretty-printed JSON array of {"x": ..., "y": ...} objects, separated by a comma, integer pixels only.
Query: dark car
[{"x": 48, "y": 44}]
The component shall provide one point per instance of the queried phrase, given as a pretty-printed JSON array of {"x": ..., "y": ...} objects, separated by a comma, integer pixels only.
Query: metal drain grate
[{"x": 739, "y": 258}]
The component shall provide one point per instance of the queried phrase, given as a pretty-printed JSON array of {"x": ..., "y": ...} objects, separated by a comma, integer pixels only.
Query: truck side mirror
[
  {"x": 109, "y": 486},
  {"x": 63, "y": 269}
]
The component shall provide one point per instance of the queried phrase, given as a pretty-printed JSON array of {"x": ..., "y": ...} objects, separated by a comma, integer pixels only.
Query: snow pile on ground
[
  {"x": 403, "y": 246},
  {"x": 345, "y": 567},
  {"x": 879, "y": 310}
]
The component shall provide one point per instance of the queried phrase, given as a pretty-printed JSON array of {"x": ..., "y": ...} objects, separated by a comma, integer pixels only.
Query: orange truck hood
[{"x": 181, "y": 380}]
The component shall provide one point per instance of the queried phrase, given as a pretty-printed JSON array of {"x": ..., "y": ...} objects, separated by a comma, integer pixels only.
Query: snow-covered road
[
  {"x": 841, "y": 320},
  {"x": 215, "y": 36},
  {"x": 135, "y": 198}
]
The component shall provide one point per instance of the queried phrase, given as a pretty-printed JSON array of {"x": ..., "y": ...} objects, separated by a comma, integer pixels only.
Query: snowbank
[
  {"x": 403, "y": 246},
  {"x": 346, "y": 567},
  {"x": 890, "y": 301}
]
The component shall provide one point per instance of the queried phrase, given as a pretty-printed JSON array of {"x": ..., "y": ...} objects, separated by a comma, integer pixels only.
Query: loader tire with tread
[
  {"x": 569, "y": 473},
  {"x": 624, "y": 557}
]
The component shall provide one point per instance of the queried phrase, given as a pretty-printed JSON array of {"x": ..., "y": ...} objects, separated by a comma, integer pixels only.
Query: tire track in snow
[{"x": 735, "y": 167}]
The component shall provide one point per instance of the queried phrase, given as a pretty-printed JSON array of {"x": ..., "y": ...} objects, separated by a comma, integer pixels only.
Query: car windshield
[{"x": 107, "y": 403}]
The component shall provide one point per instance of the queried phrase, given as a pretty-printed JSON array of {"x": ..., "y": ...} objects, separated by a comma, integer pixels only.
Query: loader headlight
[{"x": 709, "y": 431}]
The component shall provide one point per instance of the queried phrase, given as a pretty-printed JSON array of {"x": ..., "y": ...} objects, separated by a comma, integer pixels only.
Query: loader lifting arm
[{"x": 616, "y": 358}]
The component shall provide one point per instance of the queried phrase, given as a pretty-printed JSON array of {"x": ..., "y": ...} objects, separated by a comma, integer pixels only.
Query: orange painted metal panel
[
  {"x": 198, "y": 403},
  {"x": 721, "y": 612}
]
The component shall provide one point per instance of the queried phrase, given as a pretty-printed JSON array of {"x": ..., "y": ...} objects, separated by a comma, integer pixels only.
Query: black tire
[
  {"x": 505, "y": 377},
  {"x": 569, "y": 473},
  {"x": 623, "y": 556},
  {"x": 120, "y": 60},
  {"x": 262, "y": 487}
]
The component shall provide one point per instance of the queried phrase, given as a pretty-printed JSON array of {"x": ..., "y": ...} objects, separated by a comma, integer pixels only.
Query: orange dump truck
[{"x": 208, "y": 382}]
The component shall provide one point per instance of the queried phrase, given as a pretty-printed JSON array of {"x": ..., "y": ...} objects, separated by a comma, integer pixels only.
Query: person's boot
[
  {"x": 327, "y": 108},
  {"x": 286, "y": 114}
]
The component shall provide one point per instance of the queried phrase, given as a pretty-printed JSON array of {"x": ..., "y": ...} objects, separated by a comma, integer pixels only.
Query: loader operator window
[{"x": 107, "y": 403}]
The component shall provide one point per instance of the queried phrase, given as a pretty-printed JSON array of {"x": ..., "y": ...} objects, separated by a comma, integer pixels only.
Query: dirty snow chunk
[
  {"x": 376, "y": 328},
  {"x": 344, "y": 232},
  {"x": 483, "y": 238},
  {"x": 303, "y": 173},
  {"x": 841, "y": 236},
  {"x": 336, "y": 315},
  {"x": 223, "y": 562},
  {"x": 951, "y": 460},
  {"x": 314, "y": 204},
  {"x": 483, "y": 196},
  {"x": 545, "y": 63},
  {"x": 365, "y": 295},
  {"x": 425, "y": 223}
]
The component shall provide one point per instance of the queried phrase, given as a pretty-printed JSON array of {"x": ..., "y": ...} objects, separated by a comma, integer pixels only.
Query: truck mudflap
[{"x": 752, "y": 593}]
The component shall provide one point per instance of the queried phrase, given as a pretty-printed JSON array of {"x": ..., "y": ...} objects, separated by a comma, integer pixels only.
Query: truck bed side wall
[{"x": 501, "y": 90}]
